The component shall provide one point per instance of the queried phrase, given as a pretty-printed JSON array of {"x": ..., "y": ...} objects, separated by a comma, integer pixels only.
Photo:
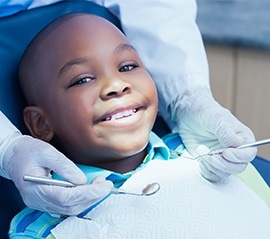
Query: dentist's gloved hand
[
  {"x": 202, "y": 121},
  {"x": 28, "y": 156}
]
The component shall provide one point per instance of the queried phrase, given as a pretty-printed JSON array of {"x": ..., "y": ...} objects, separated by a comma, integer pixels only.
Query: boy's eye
[
  {"x": 128, "y": 67},
  {"x": 82, "y": 81}
]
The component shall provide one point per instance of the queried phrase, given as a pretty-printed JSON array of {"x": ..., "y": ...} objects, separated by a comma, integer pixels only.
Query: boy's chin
[{"x": 133, "y": 145}]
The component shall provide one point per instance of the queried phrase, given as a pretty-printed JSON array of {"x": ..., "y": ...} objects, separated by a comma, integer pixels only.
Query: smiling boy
[
  {"x": 103, "y": 95},
  {"x": 89, "y": 93}
]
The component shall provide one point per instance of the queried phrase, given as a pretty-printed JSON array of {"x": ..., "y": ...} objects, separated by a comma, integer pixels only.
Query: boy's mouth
[{"x": 120, "y": 115}]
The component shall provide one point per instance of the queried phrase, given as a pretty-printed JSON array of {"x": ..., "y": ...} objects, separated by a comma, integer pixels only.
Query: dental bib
[{"x": 186, "y": 206}]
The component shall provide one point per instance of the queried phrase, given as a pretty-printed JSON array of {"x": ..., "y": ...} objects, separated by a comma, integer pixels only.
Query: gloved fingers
[
  {"x": 218, "y": 162},
  {"x": 207, "y": 174},
  {"x": 34, "y": 155},
  {"x": 232, "y": 133},
  {"x": 227, "y": 161},
  {"x": 244, "y": 155},
  {"x": 29, "y": 156},
  {"x": 68, "y": 200},
  {"x": 210, "y": 173},
  {"x": 60, "y": 164}
]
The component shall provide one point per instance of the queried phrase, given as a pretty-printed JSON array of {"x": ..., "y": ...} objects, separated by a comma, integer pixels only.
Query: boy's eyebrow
[
  {"x": 71, "y": 63},
  {"x": 124, "y": 46}
]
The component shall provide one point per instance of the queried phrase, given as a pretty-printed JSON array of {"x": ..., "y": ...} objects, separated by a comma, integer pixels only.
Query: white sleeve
[
  {"x": 7, "y": 129},
  {"x": 165, "y": 34}
]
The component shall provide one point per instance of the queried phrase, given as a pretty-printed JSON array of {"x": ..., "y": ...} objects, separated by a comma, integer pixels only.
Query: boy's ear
[{"x": 37, "y": 123}]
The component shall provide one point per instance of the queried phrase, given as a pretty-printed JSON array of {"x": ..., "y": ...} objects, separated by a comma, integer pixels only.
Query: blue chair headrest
[{"x": 16, "y": 32}]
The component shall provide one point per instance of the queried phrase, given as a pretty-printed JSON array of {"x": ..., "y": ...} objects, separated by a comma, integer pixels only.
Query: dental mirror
[{"x": 149, "y": 190}]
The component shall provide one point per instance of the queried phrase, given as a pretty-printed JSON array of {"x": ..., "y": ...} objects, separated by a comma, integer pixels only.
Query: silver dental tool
[
  {"x": 149, "y": 190},
  {"x": 254, "y": 144},
  {"x": 48, "y": 181}
]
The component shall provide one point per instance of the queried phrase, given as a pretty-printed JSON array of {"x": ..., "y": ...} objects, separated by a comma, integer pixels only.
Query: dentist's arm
[
  {"x": 167, "y": 38},
  {"x": 23, "y": 155}
]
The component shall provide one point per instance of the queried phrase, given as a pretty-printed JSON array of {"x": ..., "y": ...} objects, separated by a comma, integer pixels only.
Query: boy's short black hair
[{"x": 30, "y": 55}]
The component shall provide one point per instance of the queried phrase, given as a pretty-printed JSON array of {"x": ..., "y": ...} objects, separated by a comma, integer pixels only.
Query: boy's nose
[{"x": 114, "y": 88}]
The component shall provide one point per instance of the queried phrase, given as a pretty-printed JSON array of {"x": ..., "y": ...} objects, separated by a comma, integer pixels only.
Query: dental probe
[
  {"x": 254, "y": 144},
  {"x": 149, "y": 190}
]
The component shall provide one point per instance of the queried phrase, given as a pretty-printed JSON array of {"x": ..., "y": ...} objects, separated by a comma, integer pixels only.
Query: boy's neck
[
  {"x": 123, "y": 165},
  {"x": 126, "y": 164}
]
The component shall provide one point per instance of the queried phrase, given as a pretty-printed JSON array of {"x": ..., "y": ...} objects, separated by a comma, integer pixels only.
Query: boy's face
[{"x": 98, "y": 97}]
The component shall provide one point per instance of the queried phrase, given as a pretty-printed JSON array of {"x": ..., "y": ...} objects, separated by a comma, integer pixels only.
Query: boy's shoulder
[{"x": 30, "y": 223}]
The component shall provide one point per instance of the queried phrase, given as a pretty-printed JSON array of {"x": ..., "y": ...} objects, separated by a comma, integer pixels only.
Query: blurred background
[{"x": 236, "y": 34}]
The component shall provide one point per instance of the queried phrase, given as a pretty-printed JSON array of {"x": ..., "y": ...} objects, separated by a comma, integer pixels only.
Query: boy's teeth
[{"x": 121, "y": 114}]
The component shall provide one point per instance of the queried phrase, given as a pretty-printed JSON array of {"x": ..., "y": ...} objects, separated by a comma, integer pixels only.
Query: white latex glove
[
  {"x": 202, "y": 121},
  {"x": 28, "y": 156}
]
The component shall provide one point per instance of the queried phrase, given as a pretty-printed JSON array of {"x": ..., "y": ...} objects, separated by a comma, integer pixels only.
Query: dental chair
[{"x": 16, "y": 32}]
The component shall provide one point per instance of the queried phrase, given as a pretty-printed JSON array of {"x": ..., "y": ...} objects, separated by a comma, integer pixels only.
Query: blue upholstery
[
  {"x": 15, "y": 33},
  {"x": 263, "y": 166}
]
